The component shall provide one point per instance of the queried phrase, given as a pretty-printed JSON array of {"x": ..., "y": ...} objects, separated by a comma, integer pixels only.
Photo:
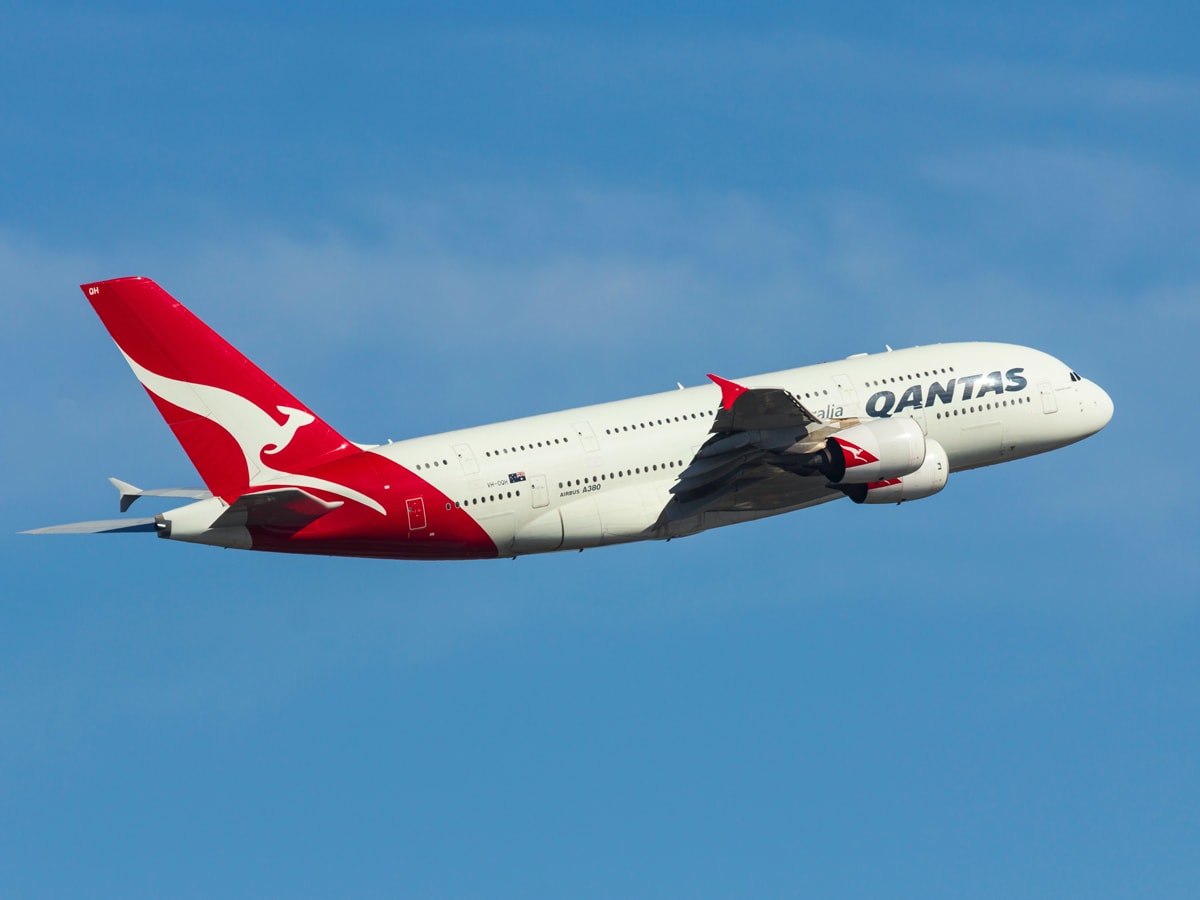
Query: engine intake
[{"x": 873, "y": 451}]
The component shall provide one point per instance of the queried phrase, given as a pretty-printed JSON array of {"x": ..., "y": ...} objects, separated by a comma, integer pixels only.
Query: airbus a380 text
[{"x": 881, "y": 428}]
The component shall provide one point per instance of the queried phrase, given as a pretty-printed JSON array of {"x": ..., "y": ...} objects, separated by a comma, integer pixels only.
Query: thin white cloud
[
  {"x": 1107, "y": 195},
  {"x": 720, "y": 67},
  {"x": 618, "y": 271}
]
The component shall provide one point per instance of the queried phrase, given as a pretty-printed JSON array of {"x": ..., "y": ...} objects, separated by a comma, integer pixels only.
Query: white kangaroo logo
[
  {"x": 254, "y": 430},
  {"x": 857, "y": 452},
  {"x": 296, "y": 419}
]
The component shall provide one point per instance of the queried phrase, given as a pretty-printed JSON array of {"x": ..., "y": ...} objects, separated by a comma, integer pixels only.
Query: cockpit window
[{"x": 1076, "y": 377}]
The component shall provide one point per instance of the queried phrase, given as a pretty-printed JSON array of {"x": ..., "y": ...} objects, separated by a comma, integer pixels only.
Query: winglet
[{"x": 730, "y": 391}]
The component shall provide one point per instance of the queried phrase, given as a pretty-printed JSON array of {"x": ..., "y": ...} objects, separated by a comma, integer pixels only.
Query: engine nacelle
[
  {"x": 925, "y": 482},
  {"x": 875, "y": 451}
]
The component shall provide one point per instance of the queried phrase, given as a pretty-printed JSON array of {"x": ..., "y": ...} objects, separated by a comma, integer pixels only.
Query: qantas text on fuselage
[
  {"x": 879, "y": 428},
  {"x": 883, "y": 403}
]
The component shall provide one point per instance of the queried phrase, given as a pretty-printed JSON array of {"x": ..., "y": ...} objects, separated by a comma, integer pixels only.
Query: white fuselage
[{"x": 602, "y": 474}]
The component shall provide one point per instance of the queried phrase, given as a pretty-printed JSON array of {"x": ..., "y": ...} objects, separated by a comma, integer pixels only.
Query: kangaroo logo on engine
[{"x": 883, "y": 404}]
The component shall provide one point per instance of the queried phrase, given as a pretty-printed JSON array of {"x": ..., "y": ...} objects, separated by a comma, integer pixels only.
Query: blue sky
[{"x": 419, "y": 220}]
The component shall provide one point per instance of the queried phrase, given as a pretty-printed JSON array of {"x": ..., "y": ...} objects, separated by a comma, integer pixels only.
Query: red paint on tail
[
  {"x": 159, "y": 334},
  {"x": 245, "y": 433}
]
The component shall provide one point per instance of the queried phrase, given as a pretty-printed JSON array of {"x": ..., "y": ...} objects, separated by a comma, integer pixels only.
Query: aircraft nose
[{"x": 1098, "y": 408}]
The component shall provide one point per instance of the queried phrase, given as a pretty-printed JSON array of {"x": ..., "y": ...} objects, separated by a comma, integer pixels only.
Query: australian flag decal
[{"x": 514, "y": 477}]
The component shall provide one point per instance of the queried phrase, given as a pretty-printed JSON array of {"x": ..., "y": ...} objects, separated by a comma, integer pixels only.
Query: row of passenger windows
[
  {"x": 983, "y": 406},
  {"x": 808, "y": 395},
  {"x": 912, "y": 377},
  {"x": 504, "y": 451},
  {"x": 490, "y": 498},
  {"x": 500, "y": 451},
  {"x": 613, "y": 476},
  {"x": 617, "y": 429},
  {"x": 529, "y": 446}
]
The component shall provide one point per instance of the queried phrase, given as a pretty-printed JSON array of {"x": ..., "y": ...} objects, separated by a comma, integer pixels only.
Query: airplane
[{"x": 888, "y": 427}]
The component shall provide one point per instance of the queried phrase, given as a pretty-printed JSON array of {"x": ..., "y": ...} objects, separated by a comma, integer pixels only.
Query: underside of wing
[
  {"x": 765, "y": 453},
  {"x": 760, "y": 486},
  {"x": 277, "y": 509}
]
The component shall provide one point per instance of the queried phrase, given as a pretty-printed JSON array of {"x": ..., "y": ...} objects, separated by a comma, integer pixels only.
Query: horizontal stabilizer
[
  {"x": 129, "y": 493},
  {"x": 106, "y": 526}
]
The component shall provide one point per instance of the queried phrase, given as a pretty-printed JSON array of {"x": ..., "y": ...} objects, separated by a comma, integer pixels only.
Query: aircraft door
[
  {"x": 467, "y": 458},
  {"x": 539, "y": 491},
  {"x": 586, "y": 436},
  {"x": 918, "y": 415},
  {"x": 1049, "y": 401},
  {"x": 416, "y": 513},
  {"x": 849, "y": 395}
]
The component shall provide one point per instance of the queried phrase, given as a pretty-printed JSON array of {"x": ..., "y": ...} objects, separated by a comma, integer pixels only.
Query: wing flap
[{"x": 759, "y": 485}]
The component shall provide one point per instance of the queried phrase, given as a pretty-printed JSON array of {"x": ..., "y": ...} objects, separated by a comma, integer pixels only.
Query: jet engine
[
  {"x": 872, "y": 451},
  {"x": 925, "y": 482}
]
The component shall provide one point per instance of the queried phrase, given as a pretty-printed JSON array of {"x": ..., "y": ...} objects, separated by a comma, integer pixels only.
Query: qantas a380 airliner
[{"x": 880, "y": 428}]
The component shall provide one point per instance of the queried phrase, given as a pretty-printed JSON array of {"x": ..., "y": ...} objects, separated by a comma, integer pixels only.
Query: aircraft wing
[
  {"x": 749, "y": 409},
  {"x": 758, "y": 456},
  {"x": 280, "y": 509}
]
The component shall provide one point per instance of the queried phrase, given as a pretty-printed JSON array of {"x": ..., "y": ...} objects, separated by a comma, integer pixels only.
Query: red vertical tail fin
[{"x": 236, "y": 424}]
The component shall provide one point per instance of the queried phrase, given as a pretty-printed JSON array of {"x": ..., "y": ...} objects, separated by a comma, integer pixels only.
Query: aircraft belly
[
  {"x": 580, "y": 524},
  {"x": 629, "y": 514},
  {"x": 979, "y": 445},
  {"x": 501, "y": 528},
  {"x": 542, "y": 534}
]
